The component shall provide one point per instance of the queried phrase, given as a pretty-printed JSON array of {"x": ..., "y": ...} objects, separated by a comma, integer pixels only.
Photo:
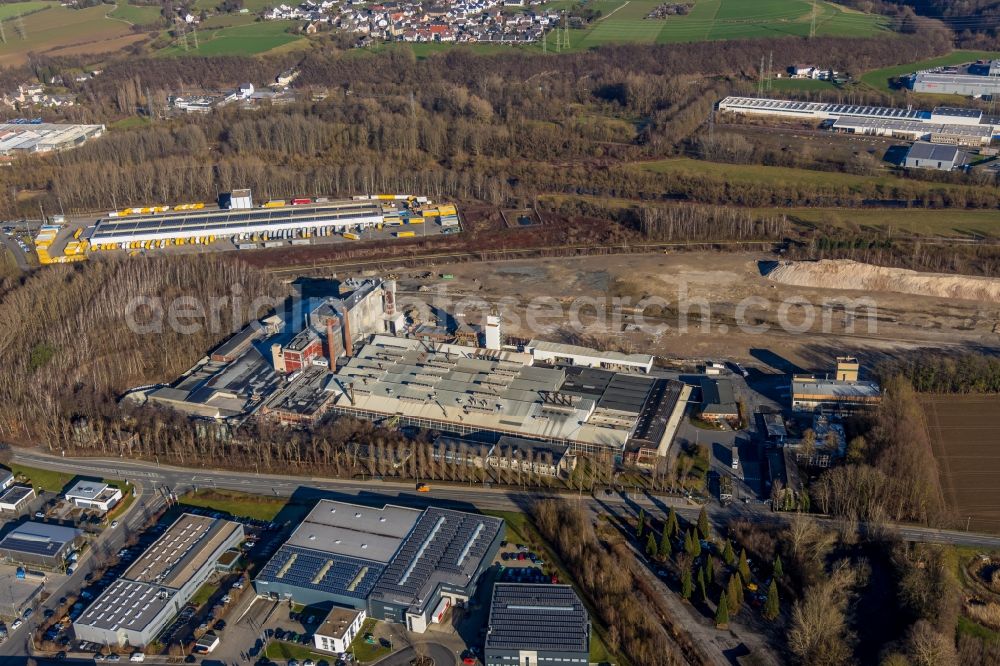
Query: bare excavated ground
[{"x": 732, "y": 310}]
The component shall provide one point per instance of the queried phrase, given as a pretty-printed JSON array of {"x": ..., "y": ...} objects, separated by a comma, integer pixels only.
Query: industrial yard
[{"x": 235, "y": 223}]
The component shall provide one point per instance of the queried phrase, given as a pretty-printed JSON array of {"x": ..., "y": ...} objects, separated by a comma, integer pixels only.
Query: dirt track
[{"x": 716, "y": 284}]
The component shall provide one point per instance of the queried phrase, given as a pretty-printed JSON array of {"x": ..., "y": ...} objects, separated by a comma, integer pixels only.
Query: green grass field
[
  {"x": 247, "y": 39},
  {"x": 771, "y": 175},
  {"x": 64, "y": 31},
  {"x": 43, "y": 478},
  {"x": 135, "y": 14},
  {"x": 879, "y": 78},
  {"x": 13, "y": 9},
  {"x": 625, "y": 21},
  {"x": 261, "y": 507}
]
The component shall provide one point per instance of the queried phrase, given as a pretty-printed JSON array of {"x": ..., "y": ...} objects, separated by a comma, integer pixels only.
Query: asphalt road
[
  {"x": 154, "y": 480},
  {"x": 177, "y": 479},
  {"x": 15, "y": 249}
]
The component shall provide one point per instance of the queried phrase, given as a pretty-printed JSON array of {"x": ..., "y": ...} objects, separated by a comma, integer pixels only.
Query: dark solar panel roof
[
  {"x": 537, "y": 617},
  {"x": 957, "y": 112},
  {"x": 315, "y": 570},
  {"x": 588, "y": 382},
  {"x": 656, "y": 412},
  {"x": 444, "y": 546},
  {"x": 612, "y": 390},
  {"x": 626, "y": 393},
  {"x": 38, "y": 538}
]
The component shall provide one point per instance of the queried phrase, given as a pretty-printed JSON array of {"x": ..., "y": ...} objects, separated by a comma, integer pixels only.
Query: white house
[
  {"x": 93, "y": 495},
  {"x": 339, "y": 629}
]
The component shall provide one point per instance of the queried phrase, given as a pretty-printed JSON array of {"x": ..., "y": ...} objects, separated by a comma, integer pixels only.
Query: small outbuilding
[{"x": 938, "y": 156}]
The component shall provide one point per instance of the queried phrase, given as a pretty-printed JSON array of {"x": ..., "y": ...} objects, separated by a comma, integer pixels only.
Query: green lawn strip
[
  {"x": 203, "y": 594},
  {"x": 520, "y": 529},
  {"x": 365, "y": 652},
  {"x": 235, "y": 503},
  {"x": 785, "y": 176},
  {"x": 124, "y": 503},
  {"x": 131, "y": 122},
  {"x": 879, "y": 78},
  {"x": 970, "y": 627},
  {"x": 43, "y": 478}
]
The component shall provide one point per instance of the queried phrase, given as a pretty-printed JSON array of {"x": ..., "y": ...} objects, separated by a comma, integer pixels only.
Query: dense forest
[
  {"x": 486, "y": 128},
  {"x": 891, "y": 474},
  {"x": 943, "y": 373}
]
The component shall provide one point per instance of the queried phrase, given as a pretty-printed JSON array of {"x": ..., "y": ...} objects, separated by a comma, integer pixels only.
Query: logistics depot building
[
  {"x": 400, "y": 565},
  {"x": 237, "y": 223}
]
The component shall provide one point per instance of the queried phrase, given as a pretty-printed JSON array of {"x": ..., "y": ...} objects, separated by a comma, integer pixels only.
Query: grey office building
[{"x": 537, "y": 625}]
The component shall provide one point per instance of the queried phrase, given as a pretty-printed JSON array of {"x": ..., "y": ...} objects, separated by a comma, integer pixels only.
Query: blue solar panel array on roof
[
  {"x": 337, "y": 574},
  {"x": 221, "y": 223}
]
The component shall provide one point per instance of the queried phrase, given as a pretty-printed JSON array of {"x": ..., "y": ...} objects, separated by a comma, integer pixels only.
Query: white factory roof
[
  {"x": 224, "y": 223},
  {"x": 468, "y": 387},
  {"x": 44, "y": 137},
  {"x": 984, "y": 132},
  {"x": 353, "y": 530},
  {"x": 576, "y": 350},
  {"x": 126, "y": 605},
  {"x": 834, "y": 388},
  {"x": 819, "y": 109}
]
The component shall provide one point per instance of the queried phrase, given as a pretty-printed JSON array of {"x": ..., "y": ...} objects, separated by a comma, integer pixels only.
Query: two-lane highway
[{"x": 157, "y": 478}]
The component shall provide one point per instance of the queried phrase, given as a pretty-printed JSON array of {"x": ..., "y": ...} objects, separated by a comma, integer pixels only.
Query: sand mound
[{"x": 846, "y": 274}]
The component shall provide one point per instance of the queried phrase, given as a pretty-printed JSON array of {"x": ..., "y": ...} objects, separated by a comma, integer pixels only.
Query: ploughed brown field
[{"x": 966, "y": 440}]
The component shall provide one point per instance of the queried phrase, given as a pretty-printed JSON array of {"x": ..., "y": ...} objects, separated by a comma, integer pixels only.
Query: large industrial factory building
[
  {"x": 237, "y": 223},
  {"x": 978, "y": 79},
  {"x": 967, "y": 127},
  {"x": 399, "y": 564},
  {"x": 354, "y": 355}
]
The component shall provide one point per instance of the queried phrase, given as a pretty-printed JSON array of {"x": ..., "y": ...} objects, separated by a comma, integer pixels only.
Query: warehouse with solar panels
[
  {"x": 943, "y": 124},
  {"x": 237, "y": 223},
  {"x": 400, "y": 565},
  {"x": 39, "y": 544},
  {"x": 537, "y": 624}
]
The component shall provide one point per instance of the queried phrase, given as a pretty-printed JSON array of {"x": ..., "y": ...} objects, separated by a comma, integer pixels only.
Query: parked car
[{"x": 114, "y": 524}]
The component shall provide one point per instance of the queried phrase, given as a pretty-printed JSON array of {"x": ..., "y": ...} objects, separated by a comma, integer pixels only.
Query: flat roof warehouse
[
  {"x": 395, "y": 562},
  {"x": 195, "y": 224}
]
